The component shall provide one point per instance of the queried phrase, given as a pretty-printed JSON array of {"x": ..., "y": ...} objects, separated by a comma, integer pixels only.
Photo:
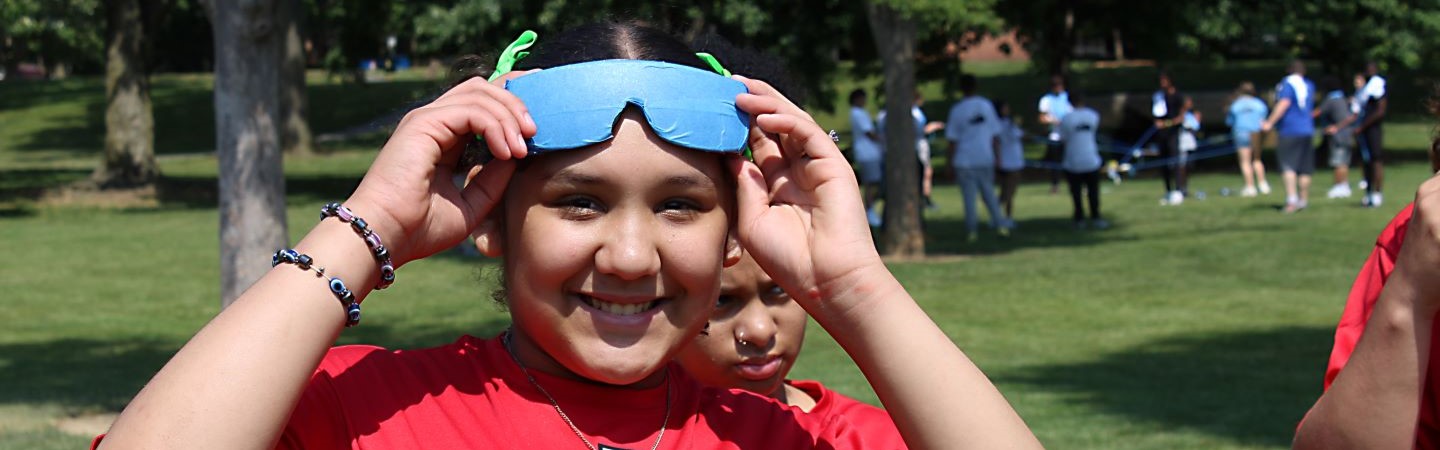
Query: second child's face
[
  {"x": 754, "y": 337},
  {"x": 613, "y": 254},
  {"x": 1359, "y": 82}
]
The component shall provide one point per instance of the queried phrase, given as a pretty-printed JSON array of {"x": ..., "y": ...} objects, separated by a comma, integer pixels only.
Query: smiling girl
[{"x": 616, "y": 195}]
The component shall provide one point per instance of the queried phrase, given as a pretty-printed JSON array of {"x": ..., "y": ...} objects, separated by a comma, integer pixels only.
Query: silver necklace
[{"x": 511, "y": 350}]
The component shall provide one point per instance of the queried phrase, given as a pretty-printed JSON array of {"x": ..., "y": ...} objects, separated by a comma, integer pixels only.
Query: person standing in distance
[
  {"x": 1296, "y": 128},
  {"x": 1374, "y": 101},
  {"x": 869, "y": 154},
  {"x": 973, "y": 129},
  {"x": 1053, "y": 107}
]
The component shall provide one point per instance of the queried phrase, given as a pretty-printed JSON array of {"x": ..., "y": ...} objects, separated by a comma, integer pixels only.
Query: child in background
[
  {"x": 1082, "y": 160},
  {"x": 1244, "y": 118},
  {"x": 1335, "y": 118},
  {"x": 1012, "y": 156},
  {"x": 752, "y": 342}
]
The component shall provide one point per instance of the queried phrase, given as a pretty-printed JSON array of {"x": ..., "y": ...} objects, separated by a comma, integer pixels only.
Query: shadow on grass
[
  {"x": 1251, "y": 386},
  {"x": 92, "y": 374},
  {"x": 19, "y": 186},
  {"x": 204, "y": 191},
  {"x": 947, "y": 236}
]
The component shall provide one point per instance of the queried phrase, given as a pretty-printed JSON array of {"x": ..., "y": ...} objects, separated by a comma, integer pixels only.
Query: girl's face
[
  {"x": 613, "y": 254},
  {"x": 1359, "y": 81},
  {"x": 754, "y": 336}
]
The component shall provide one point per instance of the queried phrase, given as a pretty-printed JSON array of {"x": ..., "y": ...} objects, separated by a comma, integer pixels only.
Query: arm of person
[
  {"x": 800, "y": 217},
  {"x": 1374, "y": 401},
  {"x": 1377, "y": 115},
  {"x": 234, "y": 384},
  {"x": 1275, "y": 114}
]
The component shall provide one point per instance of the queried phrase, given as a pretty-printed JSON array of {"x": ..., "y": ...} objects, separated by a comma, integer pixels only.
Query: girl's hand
[
  {"x": 410, "y": 196},
  {"x": 800, "y": 212}
]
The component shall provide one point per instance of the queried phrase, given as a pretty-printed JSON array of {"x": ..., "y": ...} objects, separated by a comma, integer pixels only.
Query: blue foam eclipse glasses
[{"x": 577, "y": 105}]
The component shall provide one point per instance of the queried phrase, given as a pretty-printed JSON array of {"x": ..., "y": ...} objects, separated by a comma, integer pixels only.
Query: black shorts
[
  {"x": 1296, "y": 154},
  {"x": 1371, "y": 144}
]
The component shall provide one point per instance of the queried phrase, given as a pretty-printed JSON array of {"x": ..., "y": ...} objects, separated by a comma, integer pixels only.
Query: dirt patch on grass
[
  {"x": 86, "y": 424},
  {"x": 85, "y": 195}
]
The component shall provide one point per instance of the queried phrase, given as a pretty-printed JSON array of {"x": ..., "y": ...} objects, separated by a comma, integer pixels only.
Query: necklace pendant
[{"x": 606, "y": 447}]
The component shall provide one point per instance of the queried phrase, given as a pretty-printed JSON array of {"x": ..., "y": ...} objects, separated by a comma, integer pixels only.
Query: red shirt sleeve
[
  {"x": 318, "y": 421},
  {"x": 1365, "y": 292}
]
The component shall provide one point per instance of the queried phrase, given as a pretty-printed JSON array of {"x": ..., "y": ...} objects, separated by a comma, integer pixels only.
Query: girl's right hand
[{"x": 409, "y": 196}]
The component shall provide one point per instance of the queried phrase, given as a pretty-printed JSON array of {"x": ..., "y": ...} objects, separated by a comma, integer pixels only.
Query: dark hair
[
  {"x": 609, "y": 39},
  {"x": 1296, "y": 66},
  {"x": 1077, "y": 97},
  {"x": 1001, "y": 107},
  {"x": 751, "y": 63},
  {"x": 1328, "y": 83},
  {"x": 968, "y": 83},
  {"x": 857, "y": 94}
]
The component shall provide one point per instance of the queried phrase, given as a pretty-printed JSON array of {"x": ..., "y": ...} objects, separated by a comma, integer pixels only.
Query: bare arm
[
  {"x": 800, "y": 185},
  {"x": 1375, "y": 400},
  {"x": 234, "y": 384},
  {"x": 1377, "y": 115},
  {"x": 1275, "y": 114}
]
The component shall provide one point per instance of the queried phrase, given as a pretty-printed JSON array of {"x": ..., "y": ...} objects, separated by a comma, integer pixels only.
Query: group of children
[{"x": 986, "y": 151}]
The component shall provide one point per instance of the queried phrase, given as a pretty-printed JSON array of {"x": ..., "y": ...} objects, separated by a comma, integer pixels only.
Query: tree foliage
[
  {"x": 1340, "y": 34},
  {"x": 52, "y": 32}
]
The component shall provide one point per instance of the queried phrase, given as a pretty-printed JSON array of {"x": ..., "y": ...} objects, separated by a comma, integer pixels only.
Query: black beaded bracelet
[
  {"x": 372, "y": 240},
  {"x": 337, "y": 287}
]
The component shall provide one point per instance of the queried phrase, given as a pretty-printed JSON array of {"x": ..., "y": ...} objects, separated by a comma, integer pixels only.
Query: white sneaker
[
  {"x": 1264, "y": 188},
  {"x": 1173, "y": 198},
  {"x": 1247, "y": 192},
  {"x": 1365, "y": 200},
  {"x": 1364, "y": 184},
  {"x": 1339, "y": 191},
  {"x": 1376, "y": 200}
]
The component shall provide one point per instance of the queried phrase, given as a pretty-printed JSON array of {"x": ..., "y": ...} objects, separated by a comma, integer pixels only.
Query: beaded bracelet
[
  {"x": 372, "y": 240},
  {"x": 337, "y": 287}
]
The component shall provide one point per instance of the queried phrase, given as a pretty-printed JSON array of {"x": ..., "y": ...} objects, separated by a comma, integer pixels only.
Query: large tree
[
  {"x": 129, "y": 124},
  {"x": 296, "y": 137},
  {"x": 897, "y": 27},
  {"x": 247, "y": 126}
]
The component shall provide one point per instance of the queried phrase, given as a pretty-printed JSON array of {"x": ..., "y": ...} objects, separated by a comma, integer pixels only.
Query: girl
[
  {"x": 1244, "y": 117},
  {"x": 1012, "y": 155},
  {"x": 752, "y": 342},
  {"x": 613, "y": 244}
]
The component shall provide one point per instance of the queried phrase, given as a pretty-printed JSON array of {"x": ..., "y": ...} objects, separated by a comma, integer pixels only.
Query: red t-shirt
[
  {"x": 470, "y": 394},
  {"x": 1357, "y": 312},
  {"x": 873, "y": 423}
]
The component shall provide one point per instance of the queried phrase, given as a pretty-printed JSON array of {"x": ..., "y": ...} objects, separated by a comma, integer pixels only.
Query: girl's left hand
[{"x": 800, "y": 213}]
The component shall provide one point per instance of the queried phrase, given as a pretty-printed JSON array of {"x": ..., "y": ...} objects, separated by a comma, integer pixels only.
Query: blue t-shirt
[
  {"x": 1078, "y": 130},
  {"x": 866, "y": 149},
  {"x": 972, "y": 126},
  {"x": 1057, "y": 105},
  {"x": 1296, "y": 121},
  {"x": 1246, "y": 114}
]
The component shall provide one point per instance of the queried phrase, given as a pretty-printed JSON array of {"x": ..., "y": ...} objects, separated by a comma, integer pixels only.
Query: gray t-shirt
[
  {"x": 1335, "y": 109},
  {"x": 1077, "y": 130},
  {"x": 972, "y": 126}
]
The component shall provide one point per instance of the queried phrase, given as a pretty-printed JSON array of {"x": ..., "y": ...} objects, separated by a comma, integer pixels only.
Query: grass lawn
[{"x": 1201, "y": 326}]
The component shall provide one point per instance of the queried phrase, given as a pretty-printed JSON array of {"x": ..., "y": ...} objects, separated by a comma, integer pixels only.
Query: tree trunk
[
  {"x": 297, "y": 139},
  {"x": 894, "y": 34},
  {"x": 129, "y": 124},
  {"x": 1063, "y": 41},
  {"x": 247, "y": 119}
]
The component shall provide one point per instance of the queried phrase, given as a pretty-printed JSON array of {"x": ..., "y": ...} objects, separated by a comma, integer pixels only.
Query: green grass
[{"x": 1202, "y": 326}]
